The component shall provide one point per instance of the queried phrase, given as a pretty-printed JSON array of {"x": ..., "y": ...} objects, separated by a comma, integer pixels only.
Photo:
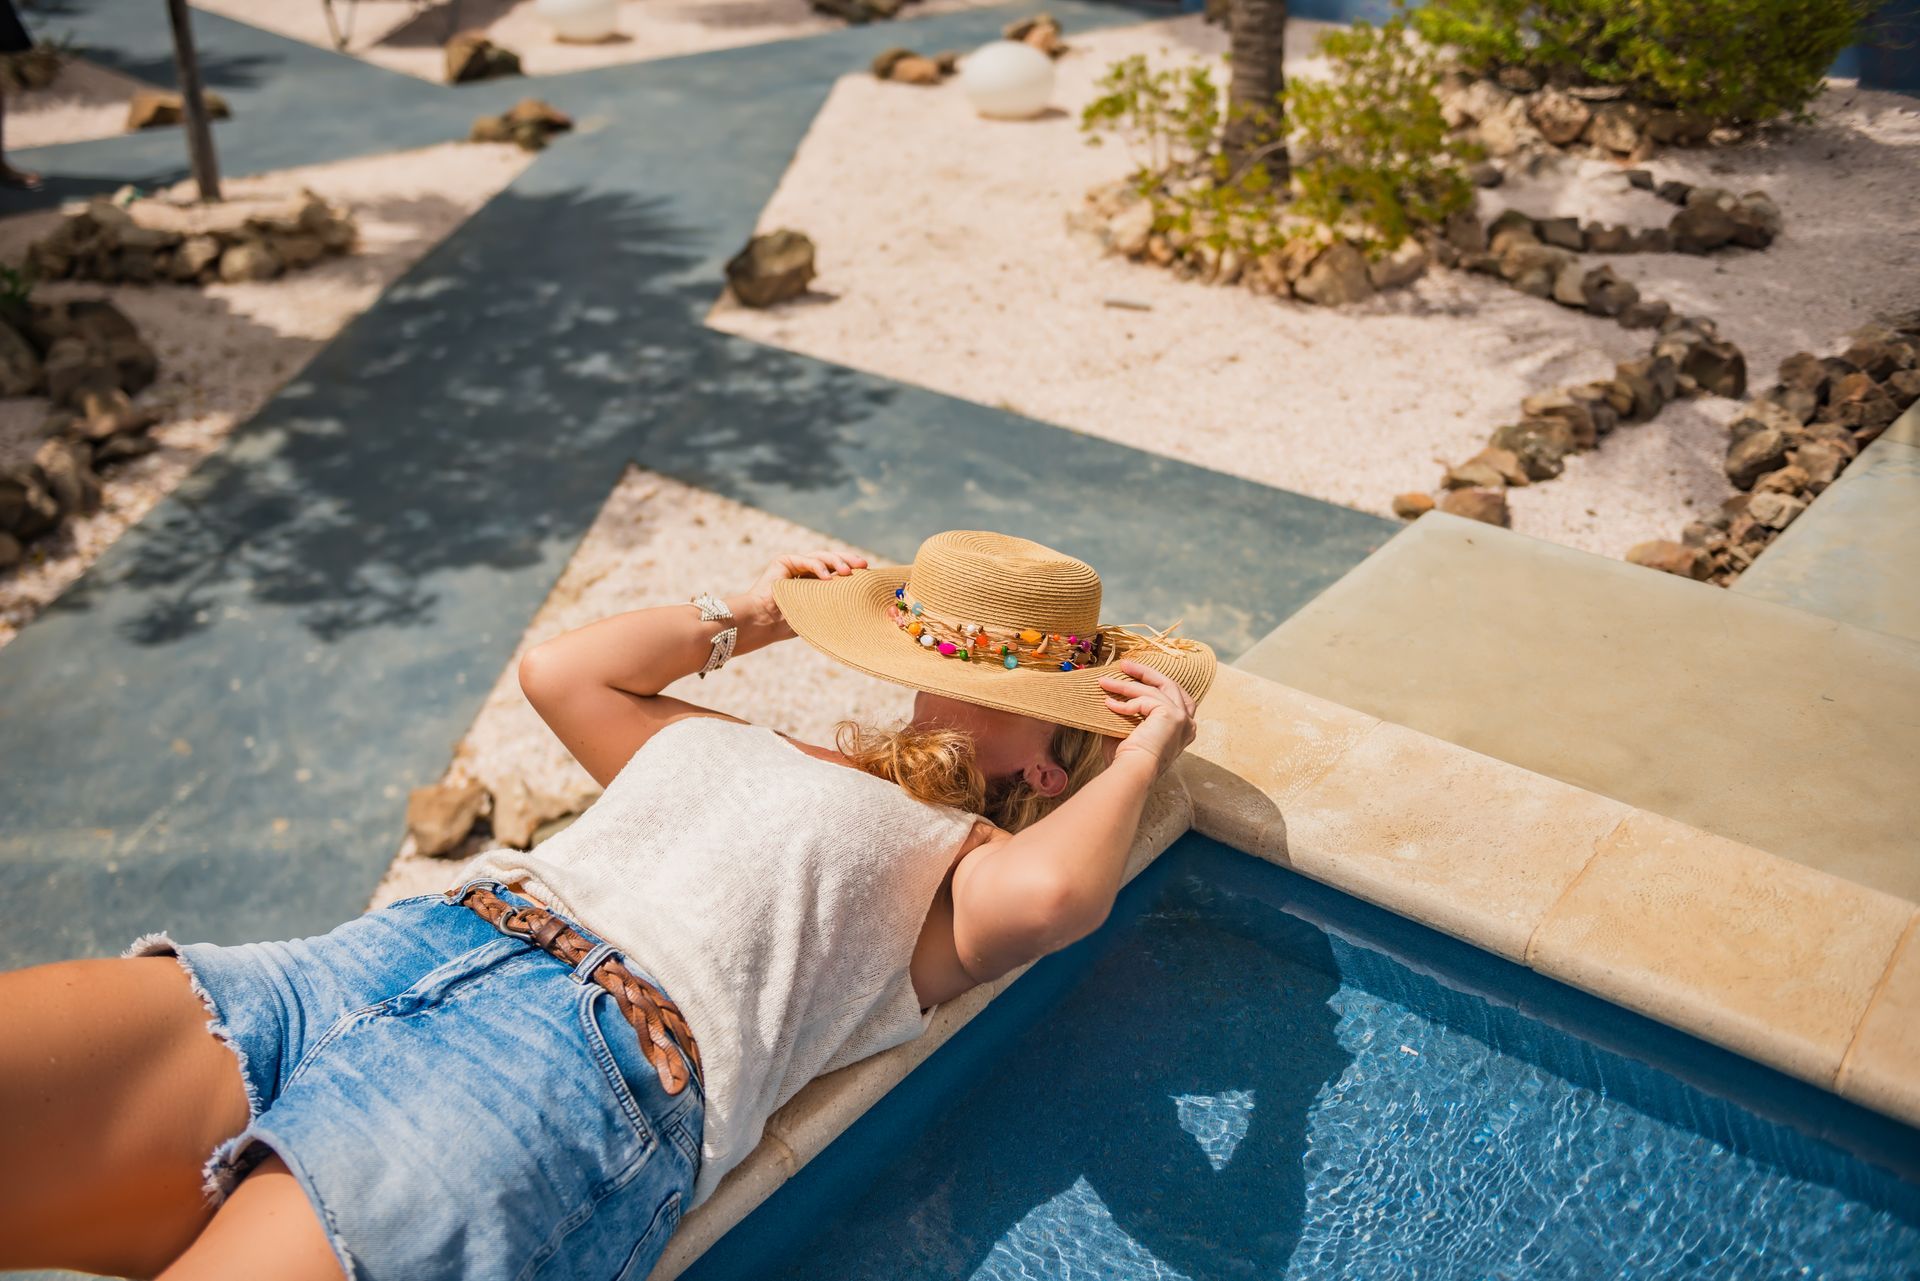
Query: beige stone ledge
[
  {"x": 1765, "y": 956},
  {"x": 1882, "y": 1066},
  {"x": 826, "y": 1106}
]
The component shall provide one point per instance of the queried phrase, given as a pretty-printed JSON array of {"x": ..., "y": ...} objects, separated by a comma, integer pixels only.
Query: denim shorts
[{"x": 455, "y": 1102}]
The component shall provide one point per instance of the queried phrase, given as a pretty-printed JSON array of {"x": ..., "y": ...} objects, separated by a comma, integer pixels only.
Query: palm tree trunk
[{"x": 1258, "y": 35}]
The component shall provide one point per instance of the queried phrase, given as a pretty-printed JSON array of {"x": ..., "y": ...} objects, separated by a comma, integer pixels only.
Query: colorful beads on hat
[
  {"x": 914, "y": 629},
  {"x": 948, "y": 648},
  {"x": 1066, "y": 667},
  {"x": 1009, "y": 662},
  {"x": 1030, "y": 636},
  {"x": 926, "y": 638},
  {"x": 916, "y": 608},
  {"x": 899, "y": 593},
  {"x": 963, "y": 655}
]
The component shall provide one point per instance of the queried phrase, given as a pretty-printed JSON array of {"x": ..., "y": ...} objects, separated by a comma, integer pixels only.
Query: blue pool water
[{"x": 1246, "y": 1075}]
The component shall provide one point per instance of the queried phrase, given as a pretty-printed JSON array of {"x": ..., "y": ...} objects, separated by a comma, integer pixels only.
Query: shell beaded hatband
[{"x": 1014, "y": 647}]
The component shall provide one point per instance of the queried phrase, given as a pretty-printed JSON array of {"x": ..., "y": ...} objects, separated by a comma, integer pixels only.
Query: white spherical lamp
[
  {"x": 579, "y": 21},
  {"x": 1007, "y": 80}
]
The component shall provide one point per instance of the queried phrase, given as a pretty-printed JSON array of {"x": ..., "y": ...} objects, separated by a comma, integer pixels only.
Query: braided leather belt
[{"x": 653, "y": 1015}]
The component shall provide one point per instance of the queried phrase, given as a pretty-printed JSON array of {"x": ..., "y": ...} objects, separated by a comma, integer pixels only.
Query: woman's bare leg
[
  {"x": 267, "y": 1228},
  {"x": 113, "y": 1093}
]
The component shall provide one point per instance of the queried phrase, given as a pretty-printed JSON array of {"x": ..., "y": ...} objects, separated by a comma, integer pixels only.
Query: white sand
[
  {"x": 950, "y": 264},
  {"x": 406, "y": 37},
  {"x": 655, "y": 542},
  {"x": 84, "y": 101},
  {"x": 224, "y": 350}
]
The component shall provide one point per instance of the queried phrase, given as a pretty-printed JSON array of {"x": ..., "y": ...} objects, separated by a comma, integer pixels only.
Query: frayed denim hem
[{"x": 220, "y": 1175}]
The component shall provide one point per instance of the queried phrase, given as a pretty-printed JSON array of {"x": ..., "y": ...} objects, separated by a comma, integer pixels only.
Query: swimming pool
[{"x": 1245, "y": 1074}]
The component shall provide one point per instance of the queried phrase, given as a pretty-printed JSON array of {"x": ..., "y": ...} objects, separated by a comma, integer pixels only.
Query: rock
[
  {"x": 1130, "y": 229},
  {"x": 1646, "y": 400},
  {"x": 1569, "y": 285},
  {"x": 1679, "y": 128},
  {"x": 1617, "y": 127},
  {"x": 535, "y": 111},
  {"x": 1606, "y": 294},
  {"x": 249, "y": 260},
  {"x": 1488, "y": 505},
  {"x": 1608, "y": 240},
  {"x": 1338, "y": 277},
  {"x": 948, "y": 60},
  {"x": 1518, "y": 79},
  {"x": 21, "y": 372},
  {"x": 66, "y": 469},
  {"x": 1821, "y": 461},
  {"x": 1860, "y": 402},
  {"x": 1465, "y": 232},
  {"x": 122, "y": 448},
  {"x": 1640, "y": 179},
  {"x": 94, "y": 321},
  {"x": 772, "y": 268},
  {"x": 1672, "y": 558},
  {"x": 1775, "y": 510},
  {"x": 1756, "y": 220},
  {"x": 440, "y": 815},
  {"x": 1804, "y": 369},
  {"x": 75, "y": 367},
  {"x": 1673, "y": 191},
  {"x": 1719, "y": 368},
  {"x": 1540, "y": 444},
  {"x": 1702, "y": 227},
  {"x": 296, "y": 251},
  {"x": 1754, "y": 456},
  {"x": 1879, "y": 360},
  {"x": 196, "y": 257},
  {"x": 1643, "y": 314},
  {"x": 1506, "y": 132},
  {"x": 11, "y": 551},
  {"x": 490, "y": 129},
  {"x": 1473, "y": 475},
  {"x": 1653, "y": 240},
  {"x": 1486, "y": 174},
  {"x": 158, "y": 108},
  {"x": 1411, "y": 506},
  {"x": 471, "y": 56},
  {"x": 518, "y": 812},
  {"x": 1042, "y": 31},
  {"x": 1790, "y": 479},
  {"x": 27, "y": 508},
  {"x": 1481, "y": 100},
  {"x": 1562, "y": 232},
  {"x": 915, "y": 70},
  {"x": 1400, "y": 266},
  {"x": 1903, "y": 387},
  {"x": 1504, "y": 462},
  {"x": 1560, "y": 117},
  {"x": 883, "y": 62}
]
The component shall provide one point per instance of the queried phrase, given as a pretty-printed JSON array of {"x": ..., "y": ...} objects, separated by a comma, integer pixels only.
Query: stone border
[
  {"x": 817, "y": 1115},
  {"x": 1805, "y": 972}
]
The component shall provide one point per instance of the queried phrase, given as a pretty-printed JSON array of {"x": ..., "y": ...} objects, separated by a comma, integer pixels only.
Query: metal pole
[{"x": 206, "y": 168}]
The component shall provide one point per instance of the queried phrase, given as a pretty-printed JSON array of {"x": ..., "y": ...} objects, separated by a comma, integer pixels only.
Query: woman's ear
[{"x": 1045, "y": 777}]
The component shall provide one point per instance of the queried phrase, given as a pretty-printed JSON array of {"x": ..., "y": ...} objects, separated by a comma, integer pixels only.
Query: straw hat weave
[{"x": 1007, "y": 589}]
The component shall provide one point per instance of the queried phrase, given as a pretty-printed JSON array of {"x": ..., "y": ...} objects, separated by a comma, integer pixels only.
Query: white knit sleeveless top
[{"x": 777, "y": 897}]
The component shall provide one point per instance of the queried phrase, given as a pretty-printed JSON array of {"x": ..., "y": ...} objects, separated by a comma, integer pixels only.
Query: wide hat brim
[{"x": 847, "y": 618}]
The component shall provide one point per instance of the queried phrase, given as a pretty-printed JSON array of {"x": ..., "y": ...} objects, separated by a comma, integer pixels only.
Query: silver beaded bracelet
[{"x": 713, "y": 609}]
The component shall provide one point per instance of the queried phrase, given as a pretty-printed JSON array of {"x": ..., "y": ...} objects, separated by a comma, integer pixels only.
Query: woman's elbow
[
  {"x": 538, "y": 672},
  {"x": 1068, "y": 912}
]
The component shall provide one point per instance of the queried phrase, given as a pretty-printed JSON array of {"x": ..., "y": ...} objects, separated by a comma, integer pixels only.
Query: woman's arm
[
  {"x": 598, "y": 687},
  {"x": 1022, "y": 896}
]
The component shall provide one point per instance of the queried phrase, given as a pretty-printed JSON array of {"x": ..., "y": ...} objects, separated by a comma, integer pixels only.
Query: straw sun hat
[{"x": 988, "y": 619}]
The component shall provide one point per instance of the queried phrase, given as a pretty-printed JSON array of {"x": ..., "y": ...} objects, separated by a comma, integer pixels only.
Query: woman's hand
[
  {"x": 821, "y": 564},
  {"x": 1166, "y": 710}
]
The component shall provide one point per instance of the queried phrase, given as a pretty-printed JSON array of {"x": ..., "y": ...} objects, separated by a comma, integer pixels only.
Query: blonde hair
[{"x": 937, "y": 766}]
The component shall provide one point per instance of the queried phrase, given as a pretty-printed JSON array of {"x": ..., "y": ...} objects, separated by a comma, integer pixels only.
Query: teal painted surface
[
  {"x": 214, "y": 730},
  {"x": 1854, "y": 555}
]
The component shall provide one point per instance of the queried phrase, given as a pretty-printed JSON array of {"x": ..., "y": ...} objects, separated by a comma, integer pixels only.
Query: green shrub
[
  {"x": 1370, "y": 153},
  {"x": 1733, "y": 60},
  {"x": 1369, "y": 141}
]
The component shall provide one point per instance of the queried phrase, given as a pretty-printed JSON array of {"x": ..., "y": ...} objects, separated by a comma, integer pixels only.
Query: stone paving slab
[
  {"x": 214, "y": 730},
  {"x": 1773, "y": 727}
]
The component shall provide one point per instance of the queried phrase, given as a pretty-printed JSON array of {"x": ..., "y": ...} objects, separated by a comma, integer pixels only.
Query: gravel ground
[
  {"x": 225, "y": 349},
  {"x": 655, "y": 542},
  {"x": 408, "y": 37},
  {"x": 949, "y": 263}
]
